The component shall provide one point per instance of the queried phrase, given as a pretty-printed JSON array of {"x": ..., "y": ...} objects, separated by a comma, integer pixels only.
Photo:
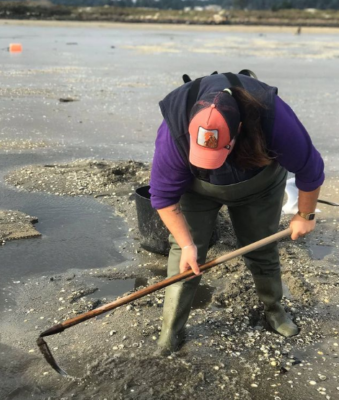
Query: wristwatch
[{"x": 308, "y": 216}]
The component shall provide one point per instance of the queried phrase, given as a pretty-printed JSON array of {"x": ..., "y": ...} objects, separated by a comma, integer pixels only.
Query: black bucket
[{"x": 153, "y": 232}]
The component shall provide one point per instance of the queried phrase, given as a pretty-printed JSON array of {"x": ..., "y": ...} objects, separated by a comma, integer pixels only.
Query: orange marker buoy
[{"x": 15, "y": 48}]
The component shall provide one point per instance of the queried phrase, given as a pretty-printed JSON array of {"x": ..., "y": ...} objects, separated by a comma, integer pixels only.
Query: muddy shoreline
[
  {"x": 260, "y": 28},
  {"x": 229, "y": 350}
]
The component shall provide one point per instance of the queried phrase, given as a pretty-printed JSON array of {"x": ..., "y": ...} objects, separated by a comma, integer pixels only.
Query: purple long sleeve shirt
[{"x": 171, "y": 176}]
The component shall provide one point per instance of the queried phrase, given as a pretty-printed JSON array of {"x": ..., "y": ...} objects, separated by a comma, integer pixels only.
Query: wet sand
[{"x": 229, "y": 351}]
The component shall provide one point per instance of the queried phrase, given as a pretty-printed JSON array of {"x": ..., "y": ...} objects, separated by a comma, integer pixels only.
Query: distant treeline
[
  {"x": 273, "y": 5},
  {"x": 167, "y": 12}
]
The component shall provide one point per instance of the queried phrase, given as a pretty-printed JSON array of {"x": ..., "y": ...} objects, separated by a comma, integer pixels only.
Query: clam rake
[{"x": 143, "y": 292}]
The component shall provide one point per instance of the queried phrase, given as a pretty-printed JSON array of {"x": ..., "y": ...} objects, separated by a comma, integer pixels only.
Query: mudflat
[{"x": 77, "y": 161}]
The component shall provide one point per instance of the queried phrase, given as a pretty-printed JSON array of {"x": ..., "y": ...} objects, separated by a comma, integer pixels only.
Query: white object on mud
[{"x": 291, "y": 206}]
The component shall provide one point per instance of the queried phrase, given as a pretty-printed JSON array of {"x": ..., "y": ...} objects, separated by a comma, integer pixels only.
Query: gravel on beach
[{"x": 229, "y": 351}]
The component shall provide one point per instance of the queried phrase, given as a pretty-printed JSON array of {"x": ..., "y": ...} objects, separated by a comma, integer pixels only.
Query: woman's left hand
[{"x": 301, "y": 226}]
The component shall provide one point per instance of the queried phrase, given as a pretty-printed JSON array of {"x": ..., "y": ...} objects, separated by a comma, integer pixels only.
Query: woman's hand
[
  {"x": 188, "y": 259},
  {"x": 175, "y": 221},
  {"x": 301, "y": 226}
]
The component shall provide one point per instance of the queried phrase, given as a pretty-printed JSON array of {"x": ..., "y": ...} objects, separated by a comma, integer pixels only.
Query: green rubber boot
[
  {"x": 269, "y": 289},
  {"x": 201, "y": 215},
  {"x": 178, "y": 302}
]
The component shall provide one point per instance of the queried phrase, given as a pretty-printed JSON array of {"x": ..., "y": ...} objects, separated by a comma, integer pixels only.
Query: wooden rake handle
[{"x": 166, "y": 282}]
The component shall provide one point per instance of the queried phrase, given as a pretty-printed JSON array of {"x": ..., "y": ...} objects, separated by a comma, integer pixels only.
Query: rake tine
[{"x": 46, "y": 352}]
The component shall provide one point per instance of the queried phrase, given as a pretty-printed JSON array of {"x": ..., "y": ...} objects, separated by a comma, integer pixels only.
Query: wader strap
[
  {"x": 186, "y": 78},
  {"x": 191, "y": 100},
  {"x": 192, "y": 96},
  {"x": 233, "y": 79},
  {"x": 194, "y": 89},
  {"x": 193, "y": 92},
  {"x": 249, "y": 73}
]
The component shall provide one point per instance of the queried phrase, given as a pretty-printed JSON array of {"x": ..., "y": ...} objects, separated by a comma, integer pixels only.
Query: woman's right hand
[
  {"x": 175, "y": 221},
  {"x": 188, "y": 259}
]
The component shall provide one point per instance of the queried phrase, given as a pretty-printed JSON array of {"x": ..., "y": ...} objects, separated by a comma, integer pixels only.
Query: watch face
[{"x": 311, "y": 216}]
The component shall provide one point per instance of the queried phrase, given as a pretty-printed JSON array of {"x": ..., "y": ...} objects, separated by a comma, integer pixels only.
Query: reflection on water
[{"x": 110, "y": 289}]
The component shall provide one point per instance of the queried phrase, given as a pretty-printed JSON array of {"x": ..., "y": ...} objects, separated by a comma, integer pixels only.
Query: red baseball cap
[{"x": 214, "y": 124}]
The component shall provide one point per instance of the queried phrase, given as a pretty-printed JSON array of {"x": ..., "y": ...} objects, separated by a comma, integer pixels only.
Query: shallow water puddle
[
  {"x": 110, "y": 289},
  {"x": 77, "y": 233},
  {"x": 203, "y": 296},
  {"x": 319, "y": 252}
]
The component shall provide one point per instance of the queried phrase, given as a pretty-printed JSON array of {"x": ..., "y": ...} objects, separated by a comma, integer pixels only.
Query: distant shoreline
[
  {"x": 214, "y": 17},
  {"x": 159, "y": 26}
]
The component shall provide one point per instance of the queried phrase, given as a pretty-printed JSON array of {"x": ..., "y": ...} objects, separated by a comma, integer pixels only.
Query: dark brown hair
[{"x": 250, "y": 147}]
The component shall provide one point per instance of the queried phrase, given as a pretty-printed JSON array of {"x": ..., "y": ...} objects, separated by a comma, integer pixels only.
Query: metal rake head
[{"x": 46, "y": 352}]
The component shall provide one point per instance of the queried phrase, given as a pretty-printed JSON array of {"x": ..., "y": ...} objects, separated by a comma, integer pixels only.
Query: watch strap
[{"x": 307, "y": 216}]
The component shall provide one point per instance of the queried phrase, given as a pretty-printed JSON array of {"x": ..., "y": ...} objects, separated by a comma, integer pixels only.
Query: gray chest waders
[{"x": 255, "y": 208}]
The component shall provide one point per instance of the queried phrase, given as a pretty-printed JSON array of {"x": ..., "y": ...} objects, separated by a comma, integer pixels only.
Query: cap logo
[{"x": 207, "y": 138}]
